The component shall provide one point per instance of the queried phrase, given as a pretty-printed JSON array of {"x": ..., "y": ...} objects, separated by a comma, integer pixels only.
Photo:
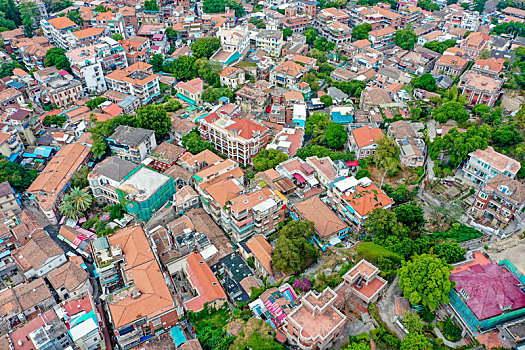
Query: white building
[
  {"x": 106, "y": 176},
  {"x": 87, "y": 68}
]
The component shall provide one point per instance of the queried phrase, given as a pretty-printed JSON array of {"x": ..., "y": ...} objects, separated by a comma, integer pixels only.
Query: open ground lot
[{"x": 511, "y": 248}]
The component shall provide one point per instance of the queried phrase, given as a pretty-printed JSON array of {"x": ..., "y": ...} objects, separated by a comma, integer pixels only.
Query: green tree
[
  {"x": 440, "y": 46},
  {"x": 358, "y": 346},
  {"x": 506, "y": 136},
  {"x": 117, "y": 37},
  {"x": 405, "y": 38},
  {"x": 76, "y": 17},
  {"x": 205, "y": 47},
  {"x": 320, "y": 151},
  {"x": 57, "y": 57},
  {"x": 450, "y": 252},
  {"x": 382, "y": 223},
  {"x": 360, "y": 31},
  {"x": 326, "y": 68},
  {"x": 18, "y": 177},
  {"x": 57, "y": 120},
  {"x": 79, "y": 178},
  {"x": 11, "y": 11},
  {"x": 316, "y": 124},
  {"x": 182, "y": 68},
  {"x": 29, "y": 13},
  {"x": 352, "y": 88},
  {"x": 268, "y": 159},
  {"x": 76, "y": 203},
  {"x": 101, "y": 8},
  {"x": 171, "y": 33},
  {"x": 411, "y": 216},
  {"x": 157, "y": 61},
  {"x": 416, "y": 341},
  {"x": 172, "y": 105},
  {"x": 425, "y": 82},
  {"x": 322, "y": 44},
  {"x": 154, "y": 117},
  {"x": 219, "y": 6},
  {"x": 151, "y": 5},
  {"x": 327, "y": 100},
  {"x": 412, "y": 322},
  {"x": 194, "y": 143},
  {"x": 336, "y": 135},
  {"x": 6, "y": 70},
  {"x": 286, "y": 33},
  {"x": 387, "y": 156},
  {"x": 311, "y": 35},
  {"x": 293, "y": 251},
  {"x": 425, "y": 280},
  {"x": 450, "y": 110},
  {"x": 428, "y": 5},
  {"x": 95, "y": 102}
]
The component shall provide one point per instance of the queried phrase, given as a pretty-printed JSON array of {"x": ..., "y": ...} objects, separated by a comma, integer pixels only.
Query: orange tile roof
[
  {"x": 203, "y": 279},
  {"x": 226, "y": 72},
  {"x": 262, "y": 250},
  {"x": 326, "y": 222},
  {"x": 113, "y": 110},
  {"x": 366, "y": 199},
  {"x": 86, "y": 33},
  {"x": 246, "y": 128},
  {"x": 61, "y": 22},
  {"x": 366, "y": 135},
  {"x": 224, "y": 191}
]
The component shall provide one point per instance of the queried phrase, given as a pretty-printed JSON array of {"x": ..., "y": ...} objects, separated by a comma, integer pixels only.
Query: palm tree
[
  {"x": 79, "y": 198},
  {"x": 67, "y": 209}
]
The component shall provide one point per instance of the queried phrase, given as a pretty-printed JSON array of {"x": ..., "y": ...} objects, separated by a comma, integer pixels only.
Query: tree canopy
[
  {"x": 95, "y": 102},
  {"x": 440, "y": 46},
  {"x": 327, "y": 100},
  {"x": 320, "y": 151},
  {"x": 449, "y": 252},
  {"x": 425, "y": 280},
  {"x": 425, "y": 82},
  {"x": 154, "y": 117},
  {"x": 268, "y": 159},
  {"x": 218, "y": 6},
  {"x": 18, "y": 177},
  {"x": 6, "y": 70},
  {"x": 416, "y": 341},
  {"x": 57, "y": 57},
  {"x": 405, "y": 38},
  {"x": 360, "y": 31},
  {"x": 428, "y": 5},
  {"x": 293, "y": 251},
  {"x": 336, "y": 135},
  {"x": 451, "y": 110},
  {"x": 205, "y": 47},
  {"x": 195, "y": 144},
  {"x": 352, "y": 88}
]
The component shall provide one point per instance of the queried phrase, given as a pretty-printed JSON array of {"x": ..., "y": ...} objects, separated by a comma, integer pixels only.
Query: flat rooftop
[{"x": 143, "y": 184}]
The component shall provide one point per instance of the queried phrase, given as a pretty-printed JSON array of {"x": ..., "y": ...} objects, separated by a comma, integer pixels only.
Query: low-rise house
[
  {"x": 106, "y": 176},
  {"x": 491, "y": 67},
  {"x": 232, "y": 77},
  {"x": 382, "y": 39},
  {"x": 316, "y": 323},
  {"x": 9, "y": 200},
  {"x": 181, "y": 127},
  {"x": 474, "y": 43},
  {"x": 450, "y": 65},
  {"x": 234, "y": 270},
  {"x": 410, "y": 142},
  {"x": 70, "y": 281},
  {"x": 164, "y": 156},
  {"x": 355, "y": 199},
  {"x": 258, "y": 248},
  {"x": 144, "y": 192},
  {"x": 287, "y": 73},
  {"x": 251, "y": 99},
  {"x": 190, "y": 91},
  {"x": 186, "y": 198},
  {"x": 480, "y": 89},
  {"x": 500, "y": 201},
  {"x": 483, "y": 165},
  {"x": 329, "y": 228},
  {"x": 324, "y": 168},
  {"x": 373, "y": 98},
  {"x": 363, "y": 141},
  {"x": 362, "y": 281},
  {"x": 51, "y": 184},
  {"x": 39, "y": 256},
  {"x": 131, "y": 143},
  {"x": 196, "y": 162}
]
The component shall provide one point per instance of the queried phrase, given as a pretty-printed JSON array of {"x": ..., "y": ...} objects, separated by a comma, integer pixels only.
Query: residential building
[
  {"x": 234, "y": 40},
  {"x": 165, "y": 156},
  {"x": 251, "y": 99},
  {"x": 130, "y": 20},
  {"x": 410, "y": 143},
  {"x": 137, "y": 80},
  {"x": 480, "y": 89},
  {"x": 270, "y": 41},
  {"x": 257, "y": 212},
  {"x": 474, "y": 43},
  {"x": 70, "y": 281},
  {"x": 9, "y": 200},
  {"x": 112, "y": 22},
  {"x": 106, "y": 176},
  {"x": 324, "y": 168},
  {"x": 146, "y": 307},
  {"x": 136, "y": 48},
  {"x": 486, "y": 295},
  {"x": 483, "y": 165},
  {"x": 84, "y": 37},
  {"x": 181, "y": 127},
  {"x": 86, "y": 68},
  {"x": 500, "y": 201},
  {"x": 196, "y": 162},
  {"x": 56, "y": 30},
  {"x": 216, "y": 194},
  {"x": 50, "y": 185},
  {"x": 190, "y": 91},
  {"x": 133, "y": 144},
  {"x": 39, "y": 256},
  {"x": 450, "y": 65},
  {"x": 297, "y": 24},
  {"x": 376, "y": 16},
  {"x": 144, "y": 191},
  {"x": 355, "y": 199},
  {"x": 186, "y": 198},
  {"x": 64, "y": 90},
  {"x": 327, "y": 225},
  {"x": 363, "y": 141},
  {"x": 258, "y": 247},
  {"x": 362, "y": 281},
  {"x": 382, "y": 39},
  {"x": 26, "y": 123},
  {"x": 232, "y": 77},
  {"x": 10, "y": 144},
  {"x": 287, "y": 73},
  {"x": 315, "y": 323},
  {"x": 332, "y": 24},
  {"x": 128, "y": 103},
  {"x": 491, "y": 67},
  {"x": 238, "y": 138}
]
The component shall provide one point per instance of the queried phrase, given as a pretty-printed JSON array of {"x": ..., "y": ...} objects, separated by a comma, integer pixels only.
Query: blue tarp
[{"x": 341, "y": 118}]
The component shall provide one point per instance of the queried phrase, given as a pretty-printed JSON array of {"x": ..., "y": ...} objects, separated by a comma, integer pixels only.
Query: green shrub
[
  {"x": 451, "y": 331},
  {"x": 89, "y": 224}
]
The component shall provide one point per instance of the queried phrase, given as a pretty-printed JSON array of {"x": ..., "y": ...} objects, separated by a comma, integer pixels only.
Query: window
[{"x": 463, "y": 293}]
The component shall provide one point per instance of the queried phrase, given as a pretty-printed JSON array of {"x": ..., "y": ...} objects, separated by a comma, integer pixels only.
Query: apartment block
[
  {"x": 106, "y": 176},
  {"x": 137, "y": 80},
  {"x": 132, "y": 144},
  {"x": 382, "y": 39},
  {"x": 480, "y": 89},
  {"x": 483, "y": 165},
  {"x": 56, "y": 30},
  {"x": 270, "y": 41}
]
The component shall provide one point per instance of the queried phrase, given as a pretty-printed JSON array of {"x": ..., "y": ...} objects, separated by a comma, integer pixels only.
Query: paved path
[
  {"x": 387, "y": 308},
  {"x": 104, "y": 328},
  {"x": 449, "y": 343}
]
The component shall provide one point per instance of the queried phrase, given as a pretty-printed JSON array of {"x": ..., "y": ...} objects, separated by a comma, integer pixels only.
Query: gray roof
[
  {"x": 130, "y": 136},
  {"x": 269, "y": 33},
  {"x": 337, "y": 94},
  {"x": 115, "y": 168},
  {"x": 5, "y": 189}
]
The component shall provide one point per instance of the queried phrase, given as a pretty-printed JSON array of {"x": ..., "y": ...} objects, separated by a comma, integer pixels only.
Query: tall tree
[
  {"x": 154, "y": 117},
  {"x": 405, "y": 38},
  {"x": 425, "y": 280},
  {"x": 157, "y": 61},
  {"x": 205, "y": 47},
  {"x": 361, "y": 31},
  {"x": 387, "y": 156},
  {"x": 293, "y": 250},
  {"x": 268, "y": 159},
  {"x": 76, "y": 17},
  {"x": 416, "y": 341},
  {"x": 57, "y": 57},
  {"x": 336, "y": 135}
]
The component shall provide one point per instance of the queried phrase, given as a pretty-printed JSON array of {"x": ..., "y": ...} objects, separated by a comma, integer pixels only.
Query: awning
[
  {"x": 352, "y": 163},
  {"x": 299, "y": 178}
]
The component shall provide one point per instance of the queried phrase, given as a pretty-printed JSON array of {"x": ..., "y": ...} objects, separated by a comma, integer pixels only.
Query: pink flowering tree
[{"x": 302, "y": 283}]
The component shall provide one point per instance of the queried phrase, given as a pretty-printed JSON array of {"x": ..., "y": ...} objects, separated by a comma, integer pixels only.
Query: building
[
  {"x": 363, "y": 141},
  {"x": 147, "y": 307},
  {"x": 85, "y": 37},
  {"x": 483, "y": 165},
  {"x": 480, "y": 89},
  {"x": 39, "y": 256},
  {"x": 9, "y": 200},
  {"x": 500, "y": 201},
  {"x": 190, "y": 91},
  {"x": 137, "y": 49},
  {"x": 51, "y": 184},
  {"x": 70, "y": 281},
  {"x": 165, "y": 156},
  {"x": 144, "y": 191},
  {"x": 64, "y": 90},
  {"x": 133, "y": 144},
  {"x": 112, "y": 22},
  {"x": 26, "y": 123},
  {"x": 316, "y": 323},
  {"x": 196, "y": 162},
  {"x": 474, "y": 43},
  {"x": 86, "y": 67},
  {"x": 410, "y": 143},
  {"x": 10, "y": 144},
  {"x": 186, "y": 198},
  {"x": 106, "y": 176},
  {"x": 382, "y": 39},
  {"x": 486, "y": 294},
  {"x": 232, "y": 77},
  {"x": 270, "y": 41},
  {"x": 362, "y": 281},
  {"x": 137, "y": 80},
  {"x": 56, "y": 30},
  {"x": 238, "y": 138},
  {"x": 355, "y": 199},
  {"x": 287, "y": 73},
  {"x": 258, "y": 247},
  {"x": 329, "y": 228},
  {"x": 491, "y": 67},
  {"x": 450, "y": 65}
]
